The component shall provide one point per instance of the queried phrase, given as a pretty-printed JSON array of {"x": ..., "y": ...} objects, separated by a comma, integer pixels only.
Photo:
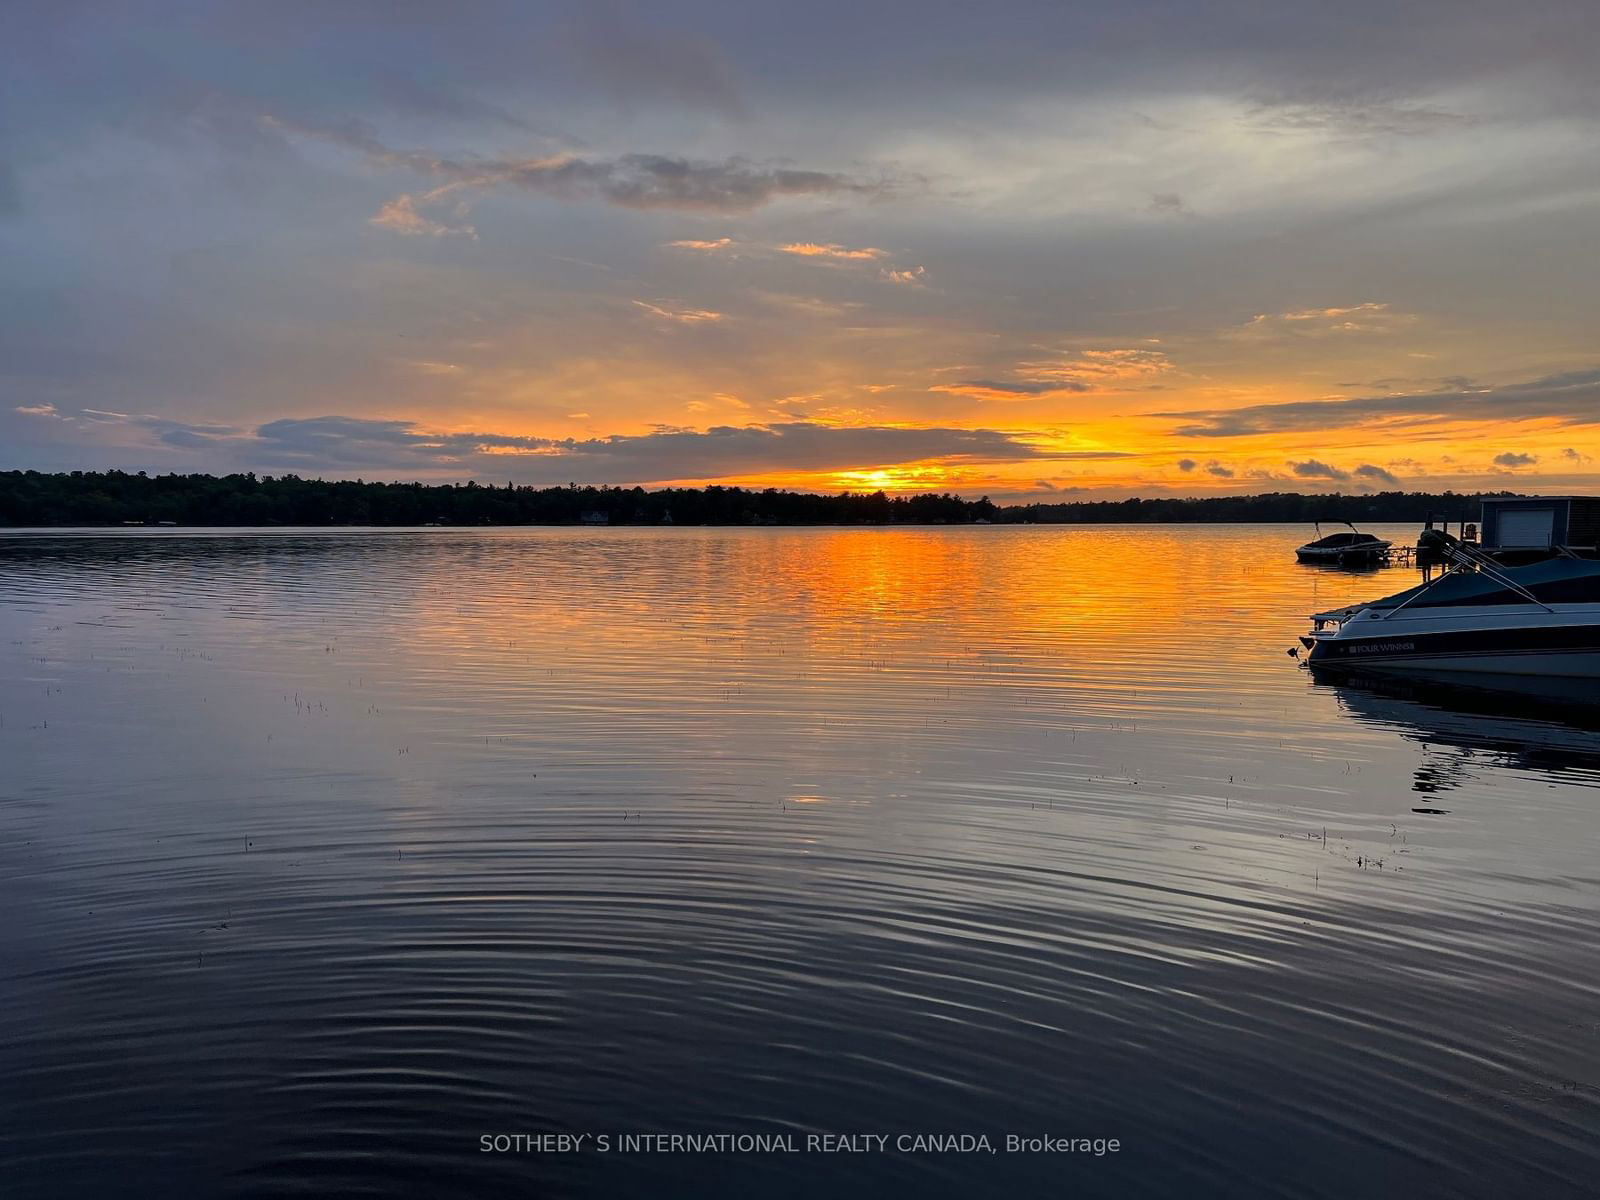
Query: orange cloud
[
  {"x": 1368, "y": 317},
  {"x": 694, "y": 244},
  {"x": 1108, "y": 365},
  {"x": 686, "y": 316},
  {"x": 834, "y": 251},
  {"x": 1311, "y": 314},
  {"x": 400, "y": 215},
  {"x": 1090, "y": 370}
]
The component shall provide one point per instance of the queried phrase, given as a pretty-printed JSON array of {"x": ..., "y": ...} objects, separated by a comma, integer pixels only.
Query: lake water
[{"x": 325, "y": 853}]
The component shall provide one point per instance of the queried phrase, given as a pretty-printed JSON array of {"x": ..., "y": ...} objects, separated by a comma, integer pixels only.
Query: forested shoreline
[{"x": 116, "y": 498}]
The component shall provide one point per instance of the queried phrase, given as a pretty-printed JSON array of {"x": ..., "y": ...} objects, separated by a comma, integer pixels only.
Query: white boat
[
  {"x": 1542, "y": 619},
  {"x": 1352, "y": 547}
]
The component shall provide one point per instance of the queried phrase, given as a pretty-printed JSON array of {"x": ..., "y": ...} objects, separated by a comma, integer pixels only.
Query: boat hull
[
  {"x": 1554, "y": 664},
  {"x": 1315, "y": 554},
  {"x": 1533, "y": 643}
]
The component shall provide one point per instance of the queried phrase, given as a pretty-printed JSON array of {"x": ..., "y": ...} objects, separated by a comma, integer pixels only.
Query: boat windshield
[{"x": 1556, "y": 581}]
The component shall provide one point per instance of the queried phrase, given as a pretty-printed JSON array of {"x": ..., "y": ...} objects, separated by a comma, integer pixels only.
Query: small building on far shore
[{"x": 591, "y": 517}]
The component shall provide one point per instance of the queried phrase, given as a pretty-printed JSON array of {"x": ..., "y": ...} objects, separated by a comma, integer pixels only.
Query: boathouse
[{"x": 1540, "y": 522}]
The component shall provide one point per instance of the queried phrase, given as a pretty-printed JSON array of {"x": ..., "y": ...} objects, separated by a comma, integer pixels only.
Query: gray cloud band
[
  {"x": 643, "y": 181},
  {"x": 1573, "y": 398}
]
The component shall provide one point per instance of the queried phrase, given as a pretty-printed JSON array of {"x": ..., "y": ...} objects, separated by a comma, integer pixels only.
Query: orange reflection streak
[
  {"x": 774, "y": 665},
  {"x": 769, "y": 627}
]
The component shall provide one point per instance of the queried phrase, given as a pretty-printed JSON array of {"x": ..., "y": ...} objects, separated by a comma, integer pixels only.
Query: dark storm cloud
[
  {"x": 1313, "y": 469},
  {"x": 643, "y": 181},
  {"x": 660, "y": 181},
  {"x": 184, "y": 435},
  {"x": 337, "y": 443},
  {"x": 1573, "y": 398},
  {"x": 1370, "y": 471}
]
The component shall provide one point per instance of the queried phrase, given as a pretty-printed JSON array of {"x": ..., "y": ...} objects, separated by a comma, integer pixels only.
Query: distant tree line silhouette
[
  {"x": 1268, "y": 506},
  {"x": 120, "y": 498},
  {"x": 117, "y": 497}
]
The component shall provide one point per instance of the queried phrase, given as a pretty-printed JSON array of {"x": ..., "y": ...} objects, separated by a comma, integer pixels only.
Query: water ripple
[{"x": 325, "y": 852}]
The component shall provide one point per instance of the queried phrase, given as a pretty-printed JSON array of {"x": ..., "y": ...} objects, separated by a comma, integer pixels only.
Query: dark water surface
[{"x": 324, "y": 853}]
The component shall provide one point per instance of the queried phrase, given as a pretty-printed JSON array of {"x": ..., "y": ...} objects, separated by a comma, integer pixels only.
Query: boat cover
[{"x": 1554, "y": 581}]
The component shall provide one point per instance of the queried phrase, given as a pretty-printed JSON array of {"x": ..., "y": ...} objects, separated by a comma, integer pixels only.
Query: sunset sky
[{"x": 1026, "y": 249}]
